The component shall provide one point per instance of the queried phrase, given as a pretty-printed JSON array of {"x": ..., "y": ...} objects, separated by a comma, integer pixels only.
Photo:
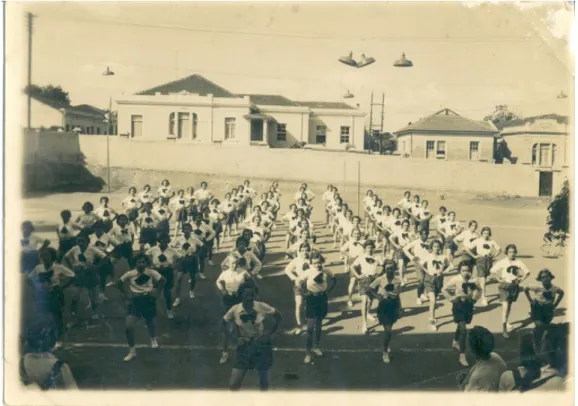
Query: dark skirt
[
  {"x": 28, "y": 261},
  {"x": 231, "y": 219},
  {"x": 190, "y": 265},
  {"x": 168, "y": 274},
  {"x": 483, "y": 266},
  {"x": 148, "y": 236},
  {"x": 364, "y": 285},
  {"x": 86, "y": 277},
  {"x": 218, "y": 228},
  {"x": 399, "y": 256},
  {"x": 316, "y": 306},
  {"x": 388, "y": 311},
  {"x": 299, "y": 290},
  {"x": 542, "y": 312},
  {"x": 424, "y": 225},
  {"x": 449, "y": 244},
  {"x": 164, "y": 227},
  {"x": 144, "y": 306},
  {"x": 65, "y": 245},
  {"x": 230, "y": 301},
  {"x": 463, "y": 310},
  {"x": 124, "y": 250},
  {"x": 433, "y": 283},
  {"x": 509, "y": 292},
  {"x": 256, "y": 354},
  {"x": 108, "y": 225}
]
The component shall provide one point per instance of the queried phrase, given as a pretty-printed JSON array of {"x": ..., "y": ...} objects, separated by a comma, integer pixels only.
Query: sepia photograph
[{"x": 292, "y": 197}]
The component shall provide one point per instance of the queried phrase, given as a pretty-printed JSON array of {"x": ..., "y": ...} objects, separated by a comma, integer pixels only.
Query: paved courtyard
[{"x": 189, "y": 345}]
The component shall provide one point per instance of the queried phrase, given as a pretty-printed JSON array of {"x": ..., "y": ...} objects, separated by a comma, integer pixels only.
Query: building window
[
  {"x": 136, "y": 123},
  {"x": 183, "y": 123},
  {"x": 544, "y": 154},
  {"x": 474, "y": 150},
  {"x": 97, "y": 130},
  {"x": 230, "y": 128},
  {"x": 195, "y": 122},
  {"x": 344, "y": 135},
  {"x": 320, "y": 134},
  {"x": 441, "y": 150},
  {"x": 172, "y": 124},
  {"x": 67, "y": 128},
  {"x": 281, "y": 132},
  {"x": 429, "y": 149}
]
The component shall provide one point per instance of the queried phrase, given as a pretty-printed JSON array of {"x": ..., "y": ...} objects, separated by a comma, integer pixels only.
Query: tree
[
  {"x": 501, "y": 114},
  {"x": 49, "y": 93},
  {"x": 558, "y": 211}
]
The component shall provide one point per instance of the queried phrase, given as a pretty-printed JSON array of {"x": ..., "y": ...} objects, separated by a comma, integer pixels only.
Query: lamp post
[{"x": 108, "y": 72}]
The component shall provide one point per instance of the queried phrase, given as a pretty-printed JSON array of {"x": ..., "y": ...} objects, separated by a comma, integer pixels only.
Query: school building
[
  {"x": 52, "y": 115},
  {"x": 541, "y": 142},
  {"x": 196, "y": 110},
  {"x": 445, "y": 135}
]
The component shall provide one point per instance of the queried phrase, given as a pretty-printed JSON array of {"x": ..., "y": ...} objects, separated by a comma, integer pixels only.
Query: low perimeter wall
[{"x": 315, "y": 166}]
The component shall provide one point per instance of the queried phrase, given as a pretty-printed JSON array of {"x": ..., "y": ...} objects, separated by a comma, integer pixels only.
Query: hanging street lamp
[
  {"x": 348, "y": 95},
  {"x": 348, "y": 60},
  {"x": 403, "y": 62}
]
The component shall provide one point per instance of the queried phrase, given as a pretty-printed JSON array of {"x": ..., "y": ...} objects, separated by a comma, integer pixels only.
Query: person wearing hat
[
  {"x": 509, "y": 272},
  {"x": 485, "y": 375},
  {"x": 366, "y": 268},
  {"x": 543, "y": 298},
  {"x": 462, "y": 291},
  {"x": 387, "y": 291}
]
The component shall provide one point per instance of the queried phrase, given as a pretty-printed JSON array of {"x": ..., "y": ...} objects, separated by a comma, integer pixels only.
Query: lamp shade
[
  {"x": 348, "y": 60},
  {"x": 108, "y": 72},
  {"x": 562, "y": 95},
  {"x": 365, "y": 60},
  {"x": 348, "y": 95},
  {"x": 403, "y": 62}
]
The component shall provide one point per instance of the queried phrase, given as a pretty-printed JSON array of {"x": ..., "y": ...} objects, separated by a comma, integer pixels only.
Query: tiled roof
[
  {"x": 87, "y": 108},
  {"x": 447, "y": 120},
  {"x": 559, "y": 119},
  {"x": 325, "y": 105},
  {"x": 196, "y": 84},
  {"x": 271, "y": 100}
]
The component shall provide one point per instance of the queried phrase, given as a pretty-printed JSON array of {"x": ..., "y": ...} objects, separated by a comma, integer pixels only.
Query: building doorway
[
  {"x": 546, "y": 183},
  {"x": 136, "y": 126},
  {"x": 257, "y": 130}
]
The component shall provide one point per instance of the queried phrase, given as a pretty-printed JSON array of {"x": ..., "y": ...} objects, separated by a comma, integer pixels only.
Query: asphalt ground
[{"x": 188, "y": 357}]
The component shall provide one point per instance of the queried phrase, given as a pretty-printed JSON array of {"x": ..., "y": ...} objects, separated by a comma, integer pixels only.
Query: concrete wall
[
  {"x": 73, "y": 120},
  {"x": 457, "y": 146},
  {"x": 317, "y": 166}
]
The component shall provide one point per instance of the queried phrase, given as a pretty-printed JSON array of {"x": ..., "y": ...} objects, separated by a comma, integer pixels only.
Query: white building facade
[{"x": 196, "y": 110}]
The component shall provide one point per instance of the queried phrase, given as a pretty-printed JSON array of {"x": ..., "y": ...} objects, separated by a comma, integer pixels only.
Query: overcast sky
[{"x": 467, "y": 58}]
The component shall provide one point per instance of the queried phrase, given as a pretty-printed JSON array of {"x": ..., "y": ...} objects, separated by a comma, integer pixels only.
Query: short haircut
[
  {"x": 163, "y": 237},
  {"x": 241, "y": 240},
  {"x": 510, "y": 246},
  {"x": 130, "y": 189},
  {"x": 482, "y": 342},
  {"x": 316, "y": 255},
  {"x": 488, "y": 229},
  {"x": 49, "y": 251},
  {"x": 472, "y": 222},
  {"x": 104, "y": 198},
  {"x": 465, "y": 263},
  {"x": 65, "y": 213},
  {"x": 138, "y": 257},
  {"x": 88, "y": 206},
  {"x": 443, "y": 208},
  {"x": 121, "y": 216}
]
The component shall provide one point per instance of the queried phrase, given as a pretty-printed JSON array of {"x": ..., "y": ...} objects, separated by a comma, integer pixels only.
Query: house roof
[
  {"x": 196, "y": 84},
  {"x": 557, "y": 117},
  {"x": 82, "y": 108},
  {"x": 270, "y": 100},
  {"x": 325, "y": 105},
  {"x": 87, "y": 108},
  {"x": 447, "y": 120}
]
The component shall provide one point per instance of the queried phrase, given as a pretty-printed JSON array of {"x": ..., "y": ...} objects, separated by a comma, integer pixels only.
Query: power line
[{"x": 216, "y": 30}]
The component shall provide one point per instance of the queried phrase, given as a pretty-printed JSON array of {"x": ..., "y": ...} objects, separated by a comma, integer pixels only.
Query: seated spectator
[
  {"x": 549, "y": 363},
  {"x": 39, "y": 368},
  {"x": 485, "y": 375}
]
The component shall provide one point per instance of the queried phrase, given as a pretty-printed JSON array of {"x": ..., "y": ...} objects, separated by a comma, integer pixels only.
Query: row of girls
[
  {"x": 91, "y": 245},
  {"x": 402, "y": 236}
]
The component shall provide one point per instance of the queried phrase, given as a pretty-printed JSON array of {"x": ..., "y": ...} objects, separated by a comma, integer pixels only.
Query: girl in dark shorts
[
  {"x": 509, "y": 272},
  {"x": 244, "y": 322},
  {"x": 544, "y": 298},
  {"x": 462, "y": 291},
  {"x": 189, "y": 245},
  {"x": 387, "y": 293},
  {"x": 434, "y": 267},
  {"x": 141, "y": 295},
  {"x": 484, "y": 250},
  {"x": 164, "y": 214},
  {"x": 366, "y": 268},
  {"x": 217, "y": 218},
  {"x": 148, "y": 224},
  {"x": 122, "y": 237},
  {"x": 49, "y": 280},
  {"x": 231, "y": 283},
  {"x": 132, "y": 206},
  {"x": 165, "y": 260},
  {"x": 316, "y": 282}
]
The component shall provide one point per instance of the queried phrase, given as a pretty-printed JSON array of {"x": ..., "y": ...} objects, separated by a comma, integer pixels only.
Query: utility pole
[
  {"x": 30, "y": 19},
  {"x": 373, "y": 125}
]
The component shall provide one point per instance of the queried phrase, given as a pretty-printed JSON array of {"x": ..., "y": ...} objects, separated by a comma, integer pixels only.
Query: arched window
[
  {"x": 195, "y": 121},
  {"x": 534, "y": 154},
  {"x": 172, "y": 124}
]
